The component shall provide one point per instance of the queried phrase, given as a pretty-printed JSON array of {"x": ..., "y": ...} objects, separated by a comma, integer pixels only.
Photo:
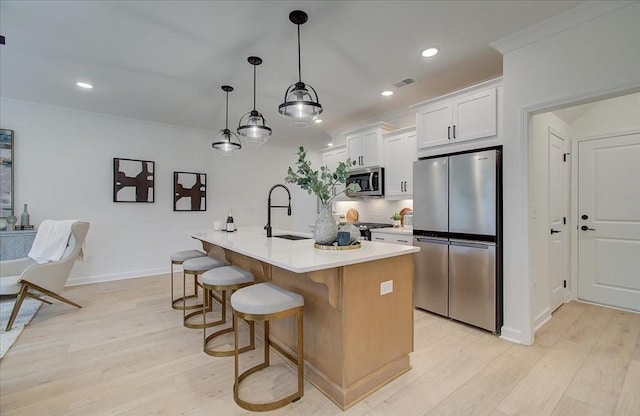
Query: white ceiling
[{"x": 165, "y": 61}]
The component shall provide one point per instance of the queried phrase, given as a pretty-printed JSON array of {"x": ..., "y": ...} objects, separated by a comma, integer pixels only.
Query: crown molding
[{"x": 561, "y": 22}]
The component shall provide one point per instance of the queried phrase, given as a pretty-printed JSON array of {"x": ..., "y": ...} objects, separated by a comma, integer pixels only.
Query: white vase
[{"x": 325, "y": 229}]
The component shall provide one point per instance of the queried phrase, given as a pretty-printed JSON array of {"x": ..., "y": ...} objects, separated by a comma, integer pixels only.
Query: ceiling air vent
[{"x": 404, "y": 82}]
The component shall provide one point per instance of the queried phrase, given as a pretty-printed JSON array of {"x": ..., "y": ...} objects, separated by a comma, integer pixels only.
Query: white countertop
[
  {"x": 298, "y": 256},
  {"x": 392, "y": 230}
]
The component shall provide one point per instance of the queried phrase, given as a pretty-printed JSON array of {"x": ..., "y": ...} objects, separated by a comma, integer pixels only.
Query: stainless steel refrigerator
[{"x": 457, "y": 223}]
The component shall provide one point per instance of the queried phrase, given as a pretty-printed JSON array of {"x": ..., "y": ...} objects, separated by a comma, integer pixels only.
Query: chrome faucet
[{"x": 269, "y": 206}]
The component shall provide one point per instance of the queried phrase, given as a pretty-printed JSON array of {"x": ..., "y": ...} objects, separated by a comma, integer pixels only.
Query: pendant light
[
  {"x": 252, "y": 125},
  {"x": 300, "y": 100},
  {"x": 225, "y": 141}
]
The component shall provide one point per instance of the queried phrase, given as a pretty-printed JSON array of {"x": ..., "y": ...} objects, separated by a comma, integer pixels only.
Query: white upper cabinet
[
  {"x": 331, "y": 159},
  {"x": 364, "y": 146},
  {"x": 472, "y": 114},
  {"x": 400, "y": 151}
]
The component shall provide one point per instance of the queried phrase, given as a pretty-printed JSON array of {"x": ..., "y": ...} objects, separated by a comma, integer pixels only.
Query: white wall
[
  {"x": 608, "y": 116},
  {"x": 539, "y": 204},
  {"x": 600, "y": 56},
  {"x": 64, "y": 169}
]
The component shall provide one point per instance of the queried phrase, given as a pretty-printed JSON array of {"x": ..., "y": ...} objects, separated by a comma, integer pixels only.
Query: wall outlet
[{"x": 386, "y": 287}]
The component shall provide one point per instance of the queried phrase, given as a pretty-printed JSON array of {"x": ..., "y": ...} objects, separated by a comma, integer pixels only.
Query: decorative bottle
[
  {"x": 24, "y": 218},
  {"x": 230, "y": 224}
]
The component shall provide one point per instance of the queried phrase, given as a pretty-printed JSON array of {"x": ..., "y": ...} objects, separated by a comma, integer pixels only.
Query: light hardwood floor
[{"x": 127, "y": 353}]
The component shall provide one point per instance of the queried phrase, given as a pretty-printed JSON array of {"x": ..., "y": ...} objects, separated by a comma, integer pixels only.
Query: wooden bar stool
[
  {"x": 265, "y": 302},
  {"x": 180, "y": 257},
  {"x": 223, "y": 279},
  {"x": 196, "y": 267}
]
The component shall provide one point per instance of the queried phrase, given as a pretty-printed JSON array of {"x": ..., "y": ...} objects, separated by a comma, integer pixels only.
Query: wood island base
[{"x": 356, "y": 340}]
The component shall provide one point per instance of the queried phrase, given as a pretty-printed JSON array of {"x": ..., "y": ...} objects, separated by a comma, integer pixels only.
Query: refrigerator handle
[
  {"x": 431, "y": 240},
  {"x": 472, "y": 245}
]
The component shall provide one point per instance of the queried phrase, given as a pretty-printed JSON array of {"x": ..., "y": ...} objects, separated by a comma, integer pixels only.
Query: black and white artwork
[
  {"x": 133, "y": 180},
  {"x": 189, "y": 191},
  {"x": 6, "y": 173}
]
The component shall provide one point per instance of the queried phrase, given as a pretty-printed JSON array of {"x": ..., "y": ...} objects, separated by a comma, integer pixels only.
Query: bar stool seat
[
  {"x": 196, "y": 267},
  {"x": 223, "y": 279},
  {"x": 180, "y": 257},
  {"x": 265, "y": 302}
]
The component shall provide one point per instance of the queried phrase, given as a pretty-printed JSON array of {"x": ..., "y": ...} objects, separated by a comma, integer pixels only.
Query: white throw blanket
[{"x": 51, "y": 240}]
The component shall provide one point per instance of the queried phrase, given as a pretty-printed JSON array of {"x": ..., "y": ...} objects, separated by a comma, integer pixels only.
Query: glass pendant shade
[
  {"x": 254, "y": 128},
  {"x": 301, "y": 102},
  {"x": 226, "y": 142},
  {"x": 252, "y": 125}
]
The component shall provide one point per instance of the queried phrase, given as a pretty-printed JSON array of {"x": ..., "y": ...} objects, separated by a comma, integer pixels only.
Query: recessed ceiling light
[
  {"x": 386, "y": 93},
  {"x": 330, "y": 144},
  {"x": 428, "y": 53},
  {"x": 84, "y": 85},
  {"x": 318, "y": 120}
]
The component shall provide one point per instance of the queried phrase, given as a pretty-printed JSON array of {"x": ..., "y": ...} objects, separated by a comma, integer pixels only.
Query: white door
[
  {"x": 609, "y": 221},
  {"x": 558, "y": 214}
]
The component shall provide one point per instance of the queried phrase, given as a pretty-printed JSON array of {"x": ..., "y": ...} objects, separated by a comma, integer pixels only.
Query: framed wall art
[
  {"x": 6, "y": 173},
  {"x": 189, "y": 191},
  {"x": 133, "y": 180}
]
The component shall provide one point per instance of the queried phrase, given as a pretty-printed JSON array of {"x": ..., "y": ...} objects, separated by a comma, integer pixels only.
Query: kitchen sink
[{"x": 292, "y": 237}]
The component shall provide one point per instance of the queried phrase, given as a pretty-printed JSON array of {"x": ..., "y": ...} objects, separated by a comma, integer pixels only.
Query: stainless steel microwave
[{"x": 371, "y": 181}]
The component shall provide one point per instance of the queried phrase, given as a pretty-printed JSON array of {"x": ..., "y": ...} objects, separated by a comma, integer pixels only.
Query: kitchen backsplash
[{"x": 372, "y": 209}]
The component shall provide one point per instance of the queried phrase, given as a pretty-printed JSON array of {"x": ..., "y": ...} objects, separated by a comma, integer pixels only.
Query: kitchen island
[{"x": 356, "y": 339}]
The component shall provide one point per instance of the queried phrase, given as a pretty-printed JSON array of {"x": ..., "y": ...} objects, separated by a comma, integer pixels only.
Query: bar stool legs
[
  {"x": 177, "y": 259},
  {"x": 196, "y": 267},
  {"x": 207, "y": 339},
  {"x": 274, "y": 308}
]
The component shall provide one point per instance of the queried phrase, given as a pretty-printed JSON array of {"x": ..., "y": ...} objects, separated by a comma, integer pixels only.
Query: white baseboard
[
  {"x": 117, "y": 276},
  {"x": 541, "y": 319},
  {"x": 510, "y": 334}
]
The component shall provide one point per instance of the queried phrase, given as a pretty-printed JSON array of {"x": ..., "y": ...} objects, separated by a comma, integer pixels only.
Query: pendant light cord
[
  {"x": 254, "y": 87},
  {"x": 226, "y": 123},
  {"x": 299, "y": 64}
]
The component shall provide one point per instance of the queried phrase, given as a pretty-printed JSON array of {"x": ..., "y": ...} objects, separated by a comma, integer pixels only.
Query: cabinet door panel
[
  {"x": 394, "y": 148},
  {"x": 370, "y": 148},
  {"x": 411, "y": 155},
  {"x": 474, "y": 116},
  {"x": 432, "y": 125}
]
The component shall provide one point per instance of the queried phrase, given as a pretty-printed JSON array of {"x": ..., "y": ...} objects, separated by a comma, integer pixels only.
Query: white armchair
[{"x": 25, "y": 276}]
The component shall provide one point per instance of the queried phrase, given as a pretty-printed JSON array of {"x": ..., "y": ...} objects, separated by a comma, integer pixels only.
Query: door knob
[
  {"x": 585, "y": 228},
  {"x": 584, "y": 217},
  {"x": 555, "y": 231}
]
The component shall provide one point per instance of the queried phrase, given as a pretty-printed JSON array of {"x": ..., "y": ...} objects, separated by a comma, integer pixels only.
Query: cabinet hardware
[
  {"x": 454, "y": 131},
  {"x": 449, "y": 132},
  {"x": 554, "y": 231}
]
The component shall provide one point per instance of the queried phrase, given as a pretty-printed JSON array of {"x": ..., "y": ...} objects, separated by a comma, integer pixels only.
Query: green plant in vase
[{"x": 321, "y": 183}]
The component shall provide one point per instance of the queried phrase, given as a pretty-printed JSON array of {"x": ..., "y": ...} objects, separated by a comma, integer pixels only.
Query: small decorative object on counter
[
  {"x": 396, "y": 219},
  {"x": 230, "y": 224},
  {"x": 11, "y": 222},
  {"x": 352, "y": 229},
  {"x": 24, "y": 218},
  {"x": 321, "y": 182}
]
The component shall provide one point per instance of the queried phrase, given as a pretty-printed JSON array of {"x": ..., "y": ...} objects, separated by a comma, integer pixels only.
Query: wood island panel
[{"x": 355, "y": 340}]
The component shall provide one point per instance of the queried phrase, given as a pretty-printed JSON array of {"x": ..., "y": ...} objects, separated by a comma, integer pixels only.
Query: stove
[{"x": 366, "y": 227}]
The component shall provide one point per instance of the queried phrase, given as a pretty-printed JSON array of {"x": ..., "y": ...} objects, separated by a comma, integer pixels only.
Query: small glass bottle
[
  {"x": 230, "y": 224},
  {"x": 24, "y": 218}
]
